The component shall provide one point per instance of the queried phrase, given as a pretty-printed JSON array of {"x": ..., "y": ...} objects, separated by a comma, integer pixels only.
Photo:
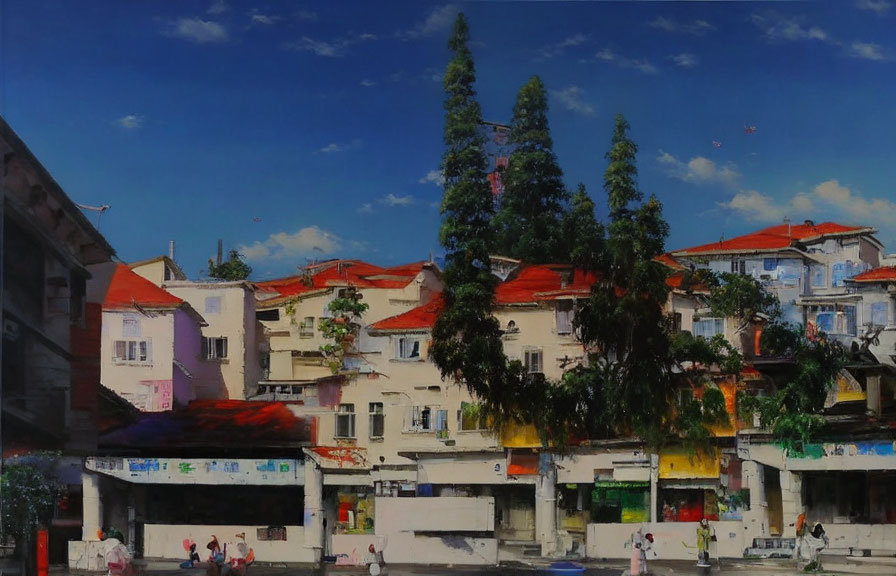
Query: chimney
[
  {"x": 171, "y": 250},
  {"x": 787, "y": 221},
  {"x": 220, "y": 250}
]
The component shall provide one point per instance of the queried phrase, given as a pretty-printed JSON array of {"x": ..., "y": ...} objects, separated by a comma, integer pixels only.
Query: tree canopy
[
  {"x": 528, "y": 223},
  {"x": 232, "y": 269},
  {"x": 466, "y": 337}
]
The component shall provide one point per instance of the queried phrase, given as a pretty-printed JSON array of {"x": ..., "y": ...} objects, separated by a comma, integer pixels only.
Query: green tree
[
  {"x": 583, "y": 235},
  {"x": 807, "y": 367},
  {"x": 232, "y": 269},
  {"x": 534, "y": 201},
  {"x": 466, "y": 337},
  {"x": 28, "y": 492},
  {"x": 804, "y": 377},
  {"x": 342, "y": 328},
  {"x": 623, "y": 323}
]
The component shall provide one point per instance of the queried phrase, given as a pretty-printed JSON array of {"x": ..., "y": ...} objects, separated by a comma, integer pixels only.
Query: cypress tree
[
  {"x": 466, "y": 337},
  {"x": 583, "y": 235},
  {"x": 528, "y": 224}
]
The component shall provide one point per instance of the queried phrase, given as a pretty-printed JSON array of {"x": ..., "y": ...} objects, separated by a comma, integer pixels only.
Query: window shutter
[
  {"x": 149, "y": 350},
  {"x": 204, "y": 348},
  {"x": 120, "y": 349}
]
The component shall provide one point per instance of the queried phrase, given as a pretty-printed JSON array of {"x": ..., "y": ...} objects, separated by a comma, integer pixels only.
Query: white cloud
[
  {"x": 697, "y": 27},
  {"x": 366, "y": 208},
  {"x": 367, "y": 83},
  {"x": 698, "y": 170},
  {"x": 438, "y": 20},
  {"x": 755, "y": 206},
  {"x": 218, "y": 7},
  {"x": 778, "y": 28},
  {"x": 842, "y": 199},
  {"x": 334, "y": 49},
  {"x": 393, "y": 200},
  {"x": 572, "y": 99},
  {"x": 684, "y": 60},
  {"x": 608, "y": 55},
  {"x": 130, "y": 122},
  {"x": 881, "y": 7},
  {"x": 334, "y": 147},
  {"x": 433, "y": 177},
  {"x": 262, "y": 19},
  {"x": 867, "y": 51},
  {"x": 553, "y": 50},
  {"x": 828, "y": 197},
  {"x": 294, "y": 246},
  {"x": 199, "y": 31}
]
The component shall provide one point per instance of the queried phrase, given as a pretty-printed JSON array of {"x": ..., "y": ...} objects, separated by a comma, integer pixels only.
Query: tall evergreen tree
[
  {"x": 583, "y": 235},
  {"x": 528, "y": 223},
  {"x": 466, "y": 337},
  {"x": 622, "y": 323}
]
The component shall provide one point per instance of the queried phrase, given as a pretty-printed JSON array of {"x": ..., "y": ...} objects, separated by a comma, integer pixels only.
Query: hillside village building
[{"x": 51, "y": 320}]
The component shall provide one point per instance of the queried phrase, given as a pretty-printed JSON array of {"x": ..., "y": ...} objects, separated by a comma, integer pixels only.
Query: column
[
  {"x": 755, "y": 520},
  {"x": 93, "y": 506},
  {"x": 546, "y": 507},
  {"x": 791, "y": 501},
  {"x": 314, "y": 517}
]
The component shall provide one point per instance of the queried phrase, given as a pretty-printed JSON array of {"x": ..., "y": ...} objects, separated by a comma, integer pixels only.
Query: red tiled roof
[
  {"x": 342, "y": 273},
  {"x": 774, "y": 238},
  {"x": 128, "y": 288},
  {"x": 882, "y": 274},
  {"x": 421, "y": 317},
  {"x": 536, "y": 283},
  {"x": 669, "y": 261}
]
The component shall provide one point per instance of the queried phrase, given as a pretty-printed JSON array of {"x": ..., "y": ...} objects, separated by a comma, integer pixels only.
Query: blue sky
[{"x": 294, "y": 131}]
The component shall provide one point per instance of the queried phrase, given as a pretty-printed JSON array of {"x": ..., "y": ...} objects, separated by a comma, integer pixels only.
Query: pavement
[{"x": 833, "y": 565}]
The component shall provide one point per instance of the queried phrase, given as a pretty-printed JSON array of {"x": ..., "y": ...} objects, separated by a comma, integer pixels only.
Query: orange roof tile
[
  {"x": 669, "y": 261},
  {"x": 774, "y": 238},
  {"x": 342, "y": 273},
  {"x": 882, "y": 274},
  {"x": 537, "y": 283},
  {"x": 128, "y": 288},
  {"x": 420, "y": 318}
]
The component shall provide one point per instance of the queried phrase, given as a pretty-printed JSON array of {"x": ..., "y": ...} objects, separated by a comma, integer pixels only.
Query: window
[
  {"x": 132, "y": 351},
  {"x": 306, "y": 328},
  {"x": 214, "y": 348},
  {"x": 739, "y": 266},
  {"x": 441, "y": 427},
  {"x": 879, "y": 314},
  {"x": 420, "y": 419},
  {"x": 377, "y": 420},
  {"x": 709, "y": 327},
  {"x": 565, "y": 313},
  {"x": 408, "y": 349},
  {"x": 818, "y": 275},
  {"x": 130, "y": 326},
  {"x": 532, "y": 361},
  {"x": 345, "y": 421},
  {"x": 471, "y": 417},
  {"x": 676, "y": 322},
  {"x": 212, "y": 304}
]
